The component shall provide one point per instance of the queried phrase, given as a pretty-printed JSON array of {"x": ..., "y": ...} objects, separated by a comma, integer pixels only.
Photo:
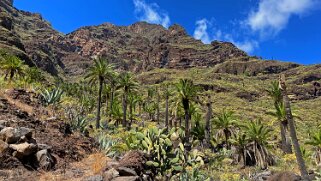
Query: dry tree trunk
[{"x": 293, "y": 134}]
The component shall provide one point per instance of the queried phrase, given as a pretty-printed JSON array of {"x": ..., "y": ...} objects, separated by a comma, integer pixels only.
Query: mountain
[{"x": 139, "y": 47}]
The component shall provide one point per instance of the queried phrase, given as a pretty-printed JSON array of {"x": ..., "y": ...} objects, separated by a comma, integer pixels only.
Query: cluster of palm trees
[{"x": 14, "y": 68}]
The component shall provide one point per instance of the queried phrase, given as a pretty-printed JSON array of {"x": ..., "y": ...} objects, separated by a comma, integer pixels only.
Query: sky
[{"x": 287, "y": 30}]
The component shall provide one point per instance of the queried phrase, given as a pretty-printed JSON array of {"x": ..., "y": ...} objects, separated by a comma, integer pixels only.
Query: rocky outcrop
[{"x": 138, "y": 47}]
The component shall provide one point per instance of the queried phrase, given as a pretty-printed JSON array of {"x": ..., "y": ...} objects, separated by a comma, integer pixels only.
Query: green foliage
[
  {"x": 99, "y": 71},
  {"x": 224, "y": 125},
  {"x": 52, "y": 97},
  {"x": 198, "y": 131},
  {"x": 163, "y": 157},
  {"x": 80, "y": 123},
  {"x": 107, "y": 145},
  {"x": 12, "y": 66}
]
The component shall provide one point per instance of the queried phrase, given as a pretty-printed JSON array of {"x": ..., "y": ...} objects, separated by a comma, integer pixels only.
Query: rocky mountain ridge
[{"x": 138, "y": 47}]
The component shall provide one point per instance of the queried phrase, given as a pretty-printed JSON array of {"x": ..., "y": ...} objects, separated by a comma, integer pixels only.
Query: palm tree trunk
[
  {"x": 158, "y": 112},
  {"x": 285, "y": 145},
  {"x": 124, "y": 109},
  {"x": 293, "y": 134},
  {"x": 130, "y": 114},
  {"x": 99, "y": 103},
  {"x": 166, "y": 114},
  {"x": 111, "y": 102},
  {"x": 186, "y": 109},
  {"x": 208, "y": 124}
]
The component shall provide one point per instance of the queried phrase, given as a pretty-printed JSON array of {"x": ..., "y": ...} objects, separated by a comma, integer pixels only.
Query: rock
[
  {"x": 112, "y": 164},
  {"x": 3, "y": 123},
  {"x": 131, "y": 178},
  {"x": 284, "y": 176},
  {"x": 45, "y": 160},
  {"x": 93, "y": 178},
  {"x": 44, "y": 147},
  {"x": 261, "y": 176},
  {"x": 4, "y": 147},
  {"x": 134, "y": 160},
  {"x": 1, "y": 127},
  {"x": 110, "y": 174},
  {"x": 123, "y": 171},
  {"x": 13, "y": 135},
  {"x": 23, "y": 149}
]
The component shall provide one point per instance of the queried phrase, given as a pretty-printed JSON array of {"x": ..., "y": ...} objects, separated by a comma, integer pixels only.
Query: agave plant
[
  {"x": 80, "y": 123},
  {"x": 52, "y": 97},
  {"x": 107, "y": 145}
]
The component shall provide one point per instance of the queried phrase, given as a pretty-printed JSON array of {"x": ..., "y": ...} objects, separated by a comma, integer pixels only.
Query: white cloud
[
  {"x": 151, "y": 13},
  {"x": 200, "y": 32},
  {"x": 273, "y": 15}
]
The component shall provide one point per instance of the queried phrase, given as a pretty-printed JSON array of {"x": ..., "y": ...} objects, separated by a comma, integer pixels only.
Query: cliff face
[{"x": 138, "y": 47}]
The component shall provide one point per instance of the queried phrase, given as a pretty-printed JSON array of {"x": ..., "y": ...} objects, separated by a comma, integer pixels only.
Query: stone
[
  {"x": 124, "y": 171},
  {"x": 45, "y": 160},
  {"x": 3, "y": 123},
  {"x": 23, "y": 149},
  {"x": 93, "y": 178},
  {"x": 13, "y": 135},
  {"x": 112, "y": 164},
  {"x": 110, "y": 174},
  {"x": 4, "y": 147},
  {"x": 44, "y": 147},
  {"x": 134, "y": 160},
  {"x": 262, "y": 176},
  {"x": 131, "y": 178}
]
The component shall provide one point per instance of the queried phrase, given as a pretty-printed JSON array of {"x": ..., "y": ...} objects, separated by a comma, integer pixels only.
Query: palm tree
[
  {"x": 281, "y": 117},
  {"x": 258, "y": 136},
  {"x": 127, "y": 84},
  {"x": 240, "y": 142},
  {"x": 315, "y": 141},
  {"x": 12, "y": 66},
  {"x": 99, "y": 72},
  {"x": 294, "y": 138},
  {"x": 113, "y": 82},
  {"x": 187, "y": 92},
  {"x": 225, "y": 124},
  {"x": 276, "y": 94}
]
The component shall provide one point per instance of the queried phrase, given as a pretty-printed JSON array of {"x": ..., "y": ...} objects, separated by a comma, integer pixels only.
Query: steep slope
[{"x": 138, "y": 47}]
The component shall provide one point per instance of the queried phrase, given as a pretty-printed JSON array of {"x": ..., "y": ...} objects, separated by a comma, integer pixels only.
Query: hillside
[{"x": 141, "y": 83}]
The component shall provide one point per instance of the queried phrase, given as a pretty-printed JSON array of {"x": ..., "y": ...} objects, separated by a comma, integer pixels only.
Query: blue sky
[{"x": 288, "y": 30}]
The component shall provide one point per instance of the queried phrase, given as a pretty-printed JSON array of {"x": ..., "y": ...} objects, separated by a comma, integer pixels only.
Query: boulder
[
  {"x": 23, "y": 149},
  {"x": 131, "y": 178},
  {"x": 110, "y": 174},
  {"x": 45, "y": 160},
  {"x": 13, "y": 135},
  {"x": 4, "y": 148},
  {"x": 134, "y": 160},
  {"x": 124, "y": 171}
]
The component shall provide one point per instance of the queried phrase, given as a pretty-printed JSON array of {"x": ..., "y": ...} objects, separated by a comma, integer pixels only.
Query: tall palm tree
[
  {"x": 126, "y": 84},
  {"x": 99, "y": 72},
  {"x": 225, "y": 125},
  {"x": 187, "y": 92},
  {"x": 12, "y": 66},
  {"x": 276, "y": 94},
  {"x": 289, "y": 116}
]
